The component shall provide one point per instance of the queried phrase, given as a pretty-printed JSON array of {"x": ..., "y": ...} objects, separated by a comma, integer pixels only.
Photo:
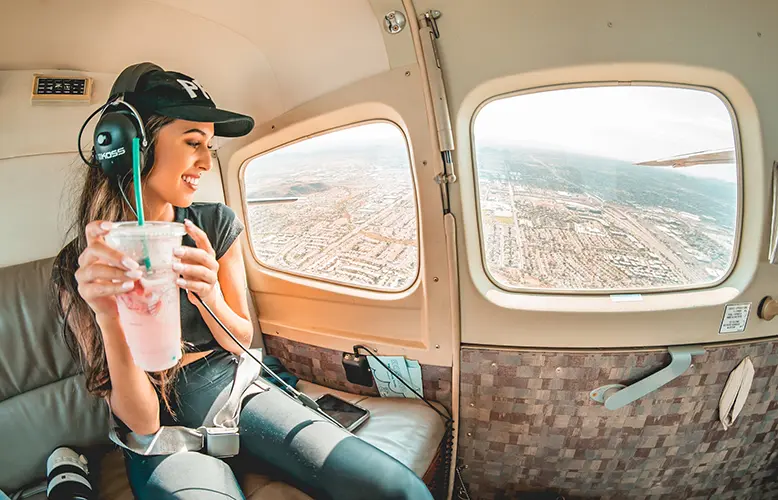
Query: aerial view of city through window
[
  {"x": 613, "y": 188},
  {"x": 339, "y": 206}
]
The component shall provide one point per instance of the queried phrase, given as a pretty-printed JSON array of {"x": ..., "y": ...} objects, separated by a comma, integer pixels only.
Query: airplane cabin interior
[{"x": 526, "y": 248}]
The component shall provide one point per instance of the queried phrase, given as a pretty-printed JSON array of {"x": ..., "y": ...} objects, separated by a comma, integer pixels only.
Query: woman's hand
[
  {"x": 104, "y": 272},
  {"x": 198, "y": 267}
]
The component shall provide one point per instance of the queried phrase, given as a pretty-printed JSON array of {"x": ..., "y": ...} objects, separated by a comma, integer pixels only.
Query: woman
[{"x": 180, "y": 122}]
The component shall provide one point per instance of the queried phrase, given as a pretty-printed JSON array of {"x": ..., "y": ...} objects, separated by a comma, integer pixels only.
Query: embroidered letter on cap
[
  {"x": 203, "y": 89},
  {"x": 191, "y": 88}
]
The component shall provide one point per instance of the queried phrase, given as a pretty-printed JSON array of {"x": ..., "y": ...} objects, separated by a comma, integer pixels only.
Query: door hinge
[
  {"x": 447, "y": 176},
  {"x": 429, "y": 33}
]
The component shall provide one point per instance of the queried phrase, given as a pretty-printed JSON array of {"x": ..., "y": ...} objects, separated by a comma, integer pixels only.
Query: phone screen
[{"x": 345, "y": 413}]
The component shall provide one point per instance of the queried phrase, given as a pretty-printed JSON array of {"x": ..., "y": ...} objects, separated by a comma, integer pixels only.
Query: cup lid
[{"x": 151, "y": 229}]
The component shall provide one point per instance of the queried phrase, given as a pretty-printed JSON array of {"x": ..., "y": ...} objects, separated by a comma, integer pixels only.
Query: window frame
[
  {"x": 303, "y": 276},
  {"x": 614, "y": 292}
]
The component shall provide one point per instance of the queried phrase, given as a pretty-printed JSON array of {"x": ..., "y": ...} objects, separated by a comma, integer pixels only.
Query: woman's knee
[
  {"x": 398, "y": 482},
  {"x": 185, "y": 475},
  {"x": 356, "y": 469}
]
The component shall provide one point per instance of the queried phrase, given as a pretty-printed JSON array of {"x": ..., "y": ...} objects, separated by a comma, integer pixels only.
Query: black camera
[{"x": 67, "y": 475}]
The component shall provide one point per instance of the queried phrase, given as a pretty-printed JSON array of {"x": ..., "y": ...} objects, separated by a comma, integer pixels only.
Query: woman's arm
[
  {"x": 201, "y": 272},
  {"x": 232, "y": 309},
  {"x": 104, "y": 272},
  {"x": 133, "y": 398}
]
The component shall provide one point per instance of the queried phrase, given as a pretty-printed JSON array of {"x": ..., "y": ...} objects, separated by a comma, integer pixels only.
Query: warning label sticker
[{"x": 735, "y": 318}]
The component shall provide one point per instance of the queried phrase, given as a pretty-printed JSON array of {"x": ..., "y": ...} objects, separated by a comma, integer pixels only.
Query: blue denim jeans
[{"x": 278, "y": 436}]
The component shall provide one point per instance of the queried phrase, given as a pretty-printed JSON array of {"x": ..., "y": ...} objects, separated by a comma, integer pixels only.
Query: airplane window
[
  {"x": 609, "y": 188},
  {"x": 338, "y": 207}
]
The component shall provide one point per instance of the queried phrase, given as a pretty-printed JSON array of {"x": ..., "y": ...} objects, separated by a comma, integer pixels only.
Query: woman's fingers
[
  {"x": 201, "y": 288},
  {"x": 101, "y": 280},
  {"x": 104, "y": 272},
  {"x": 195, "y": 273},
  {"x": 196, "y": 256},
  {"x": 99, "y": 251},
  {"x": 97, "y": 289},
  {"x": 199, "y": 237},
  {"x": 96, "y": 230}
]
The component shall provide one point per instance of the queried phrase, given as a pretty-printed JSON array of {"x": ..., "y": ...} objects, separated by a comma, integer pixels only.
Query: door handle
[{"x": 615, "y": 396}]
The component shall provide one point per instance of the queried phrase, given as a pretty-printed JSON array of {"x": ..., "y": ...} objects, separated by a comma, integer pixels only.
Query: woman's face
[{"x": 182, "y": 154}]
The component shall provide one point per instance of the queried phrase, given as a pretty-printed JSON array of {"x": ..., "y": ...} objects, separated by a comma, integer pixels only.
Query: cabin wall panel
[
  {"x": 527, "y": 424},
  {"x": 325, "y": 367}
]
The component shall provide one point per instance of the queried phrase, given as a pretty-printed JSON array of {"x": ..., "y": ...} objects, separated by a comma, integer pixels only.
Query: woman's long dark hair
[{"x": 99, "y": 199}]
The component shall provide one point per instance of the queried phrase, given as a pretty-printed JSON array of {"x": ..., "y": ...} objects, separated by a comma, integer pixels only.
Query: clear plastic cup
[{"x": 150, "y": 313}]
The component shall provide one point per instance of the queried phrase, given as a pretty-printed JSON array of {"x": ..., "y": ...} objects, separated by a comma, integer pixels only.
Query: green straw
[{"x": 139, "y": 195}]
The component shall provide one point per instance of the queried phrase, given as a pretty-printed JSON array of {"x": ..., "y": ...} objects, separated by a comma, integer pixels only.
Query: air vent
[{"x": 60, "y": 89}]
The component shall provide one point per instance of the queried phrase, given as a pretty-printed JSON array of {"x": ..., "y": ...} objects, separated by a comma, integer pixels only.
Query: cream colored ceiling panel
[
  {"x": 313, "y": 46},
  {"x": 485, "y": 40},
  {"x": 399, "y": 46},
  {"x": 105, "y": 37},
  {"x": 43, "y": 129}
]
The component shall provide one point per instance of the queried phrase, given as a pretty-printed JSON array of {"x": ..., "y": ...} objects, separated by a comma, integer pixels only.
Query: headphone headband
[
  {"x": 128, "y": 79},
  {"x": 119, "y": 101}
]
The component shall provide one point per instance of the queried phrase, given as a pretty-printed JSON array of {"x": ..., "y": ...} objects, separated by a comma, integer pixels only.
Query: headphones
[{"x": 117, "y": 126}]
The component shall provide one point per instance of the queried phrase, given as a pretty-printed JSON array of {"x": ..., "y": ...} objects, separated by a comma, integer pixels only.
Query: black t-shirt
[{"x": 221, "y": 225}]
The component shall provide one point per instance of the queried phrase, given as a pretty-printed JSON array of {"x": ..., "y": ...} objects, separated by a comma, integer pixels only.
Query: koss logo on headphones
[{"x": 110, "y": 154}]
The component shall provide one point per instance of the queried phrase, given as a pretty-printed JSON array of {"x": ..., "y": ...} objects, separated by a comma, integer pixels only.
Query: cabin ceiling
[{"x": 260, "y": 56}]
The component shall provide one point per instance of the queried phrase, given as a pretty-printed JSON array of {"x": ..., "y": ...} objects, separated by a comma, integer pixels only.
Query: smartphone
[{"x": 346, "y": 414}]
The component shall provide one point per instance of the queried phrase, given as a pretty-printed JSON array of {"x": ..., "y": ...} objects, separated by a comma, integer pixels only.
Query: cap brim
[{"x": 225, "y": 123}]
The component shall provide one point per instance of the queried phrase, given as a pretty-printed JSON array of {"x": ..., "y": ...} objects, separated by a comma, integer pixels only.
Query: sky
[{"x": 631, "y": 123}]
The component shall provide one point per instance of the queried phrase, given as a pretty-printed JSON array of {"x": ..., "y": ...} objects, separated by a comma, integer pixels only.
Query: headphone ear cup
[{"x": 113, "y": 137}]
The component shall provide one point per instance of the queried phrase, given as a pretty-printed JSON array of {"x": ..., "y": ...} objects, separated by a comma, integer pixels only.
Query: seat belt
[{"x": 221, "y": 439}]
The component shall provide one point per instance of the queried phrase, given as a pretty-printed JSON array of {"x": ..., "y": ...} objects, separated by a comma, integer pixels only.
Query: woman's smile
[{"x": 191, "y": 181}]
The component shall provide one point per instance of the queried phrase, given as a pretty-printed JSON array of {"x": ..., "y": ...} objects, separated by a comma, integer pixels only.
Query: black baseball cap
[{"x": 176, "y": 95}]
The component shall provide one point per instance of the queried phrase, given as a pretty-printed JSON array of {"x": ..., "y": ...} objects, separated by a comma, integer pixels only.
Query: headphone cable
[
  {"x": 124, "y": 195},
  {"x": 81, "y": 132}
]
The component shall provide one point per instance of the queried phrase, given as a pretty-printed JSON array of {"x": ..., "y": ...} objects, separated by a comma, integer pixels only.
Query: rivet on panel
[
  {"x": 469, "y": 434},
  {"x": 435, "y": 279},
  {"x": 424, "y": 162},
  {"x": 472, "y": 405},
  {"x": 494, "y": 365},
  {"x": 610, "y": 24},
  {"x": 437, "y": 346},
  {"x": 759, "y": 34},
  {"x": 407, "y": 73},
  {"x": 272, "y": 127},
  {"x": 558, "y": 370}
]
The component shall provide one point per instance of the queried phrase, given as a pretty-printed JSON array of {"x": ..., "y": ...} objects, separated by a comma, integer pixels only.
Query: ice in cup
[{"x": 150, "y": 313}]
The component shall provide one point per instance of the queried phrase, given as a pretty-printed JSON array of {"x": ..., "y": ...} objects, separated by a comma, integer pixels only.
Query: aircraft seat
[{"x": 43, "y": 404}]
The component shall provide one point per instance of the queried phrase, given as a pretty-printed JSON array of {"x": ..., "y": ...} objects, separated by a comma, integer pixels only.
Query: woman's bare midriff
[{"x": 191, "y": 357}]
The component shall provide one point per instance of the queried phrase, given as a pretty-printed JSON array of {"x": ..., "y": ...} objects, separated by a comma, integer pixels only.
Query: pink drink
[
  {"x": 150, "y": 313},
  {"x": 151, "y": 318}
]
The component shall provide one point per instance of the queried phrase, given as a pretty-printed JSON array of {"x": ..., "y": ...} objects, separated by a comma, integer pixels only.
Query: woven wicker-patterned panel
[
  {"x": 528, "y": 424},
  {"x": 325, "y": 367}
]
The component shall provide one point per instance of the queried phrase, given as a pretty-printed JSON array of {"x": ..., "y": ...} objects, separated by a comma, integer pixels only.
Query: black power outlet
[{"x": 357, "y": 369}]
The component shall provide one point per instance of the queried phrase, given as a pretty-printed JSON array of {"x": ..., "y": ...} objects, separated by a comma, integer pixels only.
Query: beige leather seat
[{"x": 43, "y": 403}]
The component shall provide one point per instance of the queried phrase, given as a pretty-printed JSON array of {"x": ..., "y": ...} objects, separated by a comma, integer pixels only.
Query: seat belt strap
[{"x": 220, "y": 440}]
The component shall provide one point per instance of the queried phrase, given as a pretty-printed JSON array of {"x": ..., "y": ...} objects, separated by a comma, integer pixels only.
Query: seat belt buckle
[{"x": 221, "y": 442}]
